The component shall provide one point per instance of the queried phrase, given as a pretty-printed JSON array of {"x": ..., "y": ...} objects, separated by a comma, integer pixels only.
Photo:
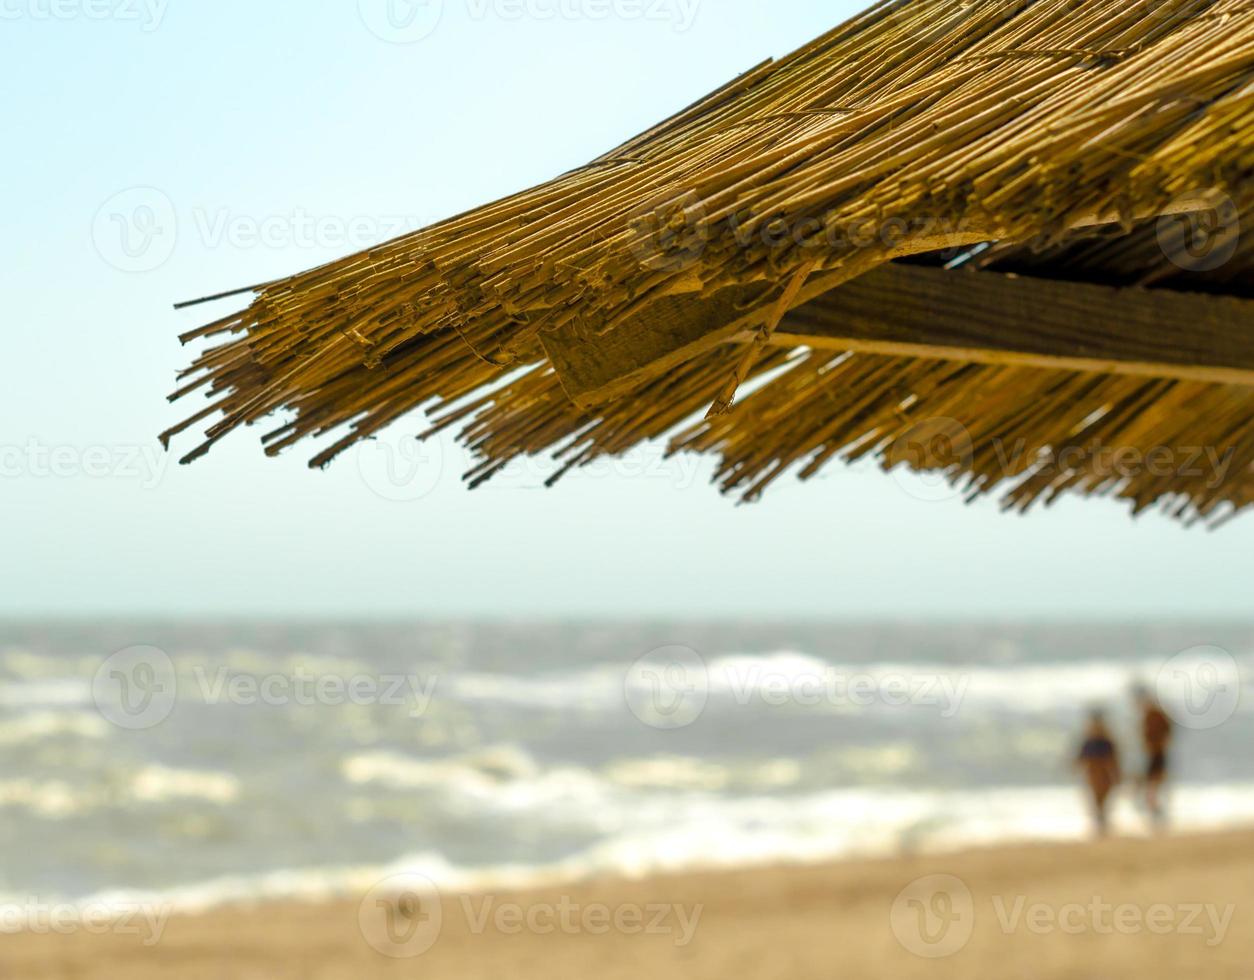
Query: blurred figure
[
  {"x": 1155, "y": 738},
  {"x": 1099, "y": 761}
]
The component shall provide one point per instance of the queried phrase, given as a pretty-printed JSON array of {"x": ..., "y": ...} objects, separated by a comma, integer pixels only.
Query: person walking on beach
[
  {"x": 1099, "y": 761},
  {"x": 1156, "y": 738}
]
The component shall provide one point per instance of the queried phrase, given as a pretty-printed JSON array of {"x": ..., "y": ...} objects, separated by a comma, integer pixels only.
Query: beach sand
[{"x": 1173, "y": 907}]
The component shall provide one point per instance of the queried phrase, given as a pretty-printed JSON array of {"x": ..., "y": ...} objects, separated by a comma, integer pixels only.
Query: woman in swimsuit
[{"x": 1098, "y": 759}]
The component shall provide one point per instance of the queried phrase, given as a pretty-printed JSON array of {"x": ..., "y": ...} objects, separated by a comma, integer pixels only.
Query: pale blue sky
[{"x": 245, "y": 118}]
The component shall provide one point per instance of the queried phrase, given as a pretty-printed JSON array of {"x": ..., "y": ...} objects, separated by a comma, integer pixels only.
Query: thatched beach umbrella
[{"x": 999, "y": 238}]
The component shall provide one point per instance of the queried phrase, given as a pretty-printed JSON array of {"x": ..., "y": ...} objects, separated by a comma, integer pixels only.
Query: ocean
[{"x": 204, "y": 763}]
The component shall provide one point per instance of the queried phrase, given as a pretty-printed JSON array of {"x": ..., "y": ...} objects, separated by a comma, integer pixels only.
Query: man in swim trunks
[
  {"x": 1098, "y": 759},
  {"x": 1156, "y": 738}
]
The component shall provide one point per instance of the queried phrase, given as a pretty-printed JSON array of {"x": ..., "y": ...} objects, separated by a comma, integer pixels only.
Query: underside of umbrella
[{"x": 996, "y": 240}]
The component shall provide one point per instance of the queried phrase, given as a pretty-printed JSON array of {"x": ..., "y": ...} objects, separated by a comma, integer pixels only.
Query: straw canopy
[{"x": 997, "y": 240}]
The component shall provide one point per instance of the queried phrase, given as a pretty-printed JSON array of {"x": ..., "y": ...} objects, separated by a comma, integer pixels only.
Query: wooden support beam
[
  {"x": 595, "y": 368},
  {"x": 992, "y": 318}
]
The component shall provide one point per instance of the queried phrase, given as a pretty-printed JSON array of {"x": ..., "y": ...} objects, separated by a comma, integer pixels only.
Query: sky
[{"x": 161, "y": 150}]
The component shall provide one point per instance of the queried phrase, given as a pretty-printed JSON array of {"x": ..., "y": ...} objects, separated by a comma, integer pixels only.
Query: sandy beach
[{"x": 1151, "y": 908}]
